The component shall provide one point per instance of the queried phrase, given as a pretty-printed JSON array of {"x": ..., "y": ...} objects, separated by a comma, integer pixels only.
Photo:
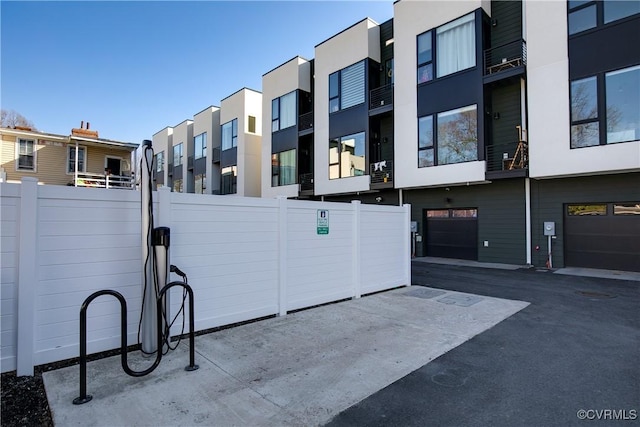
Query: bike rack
[{"x": 84, "y": 397}]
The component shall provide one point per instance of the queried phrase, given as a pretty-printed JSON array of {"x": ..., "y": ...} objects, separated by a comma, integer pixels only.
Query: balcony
[
  {"x": 381, "y": 99},
  {"x": 215, "y": 155},
  {"x": 305, "y": 123},
  {"x": 170, "y": 169},
  {"x": 306, "y": 184},
  {"x": 381, "y": 174},
  {"x": 95, "y": 180},
  {"x": 190, "y": 162},
  {"x": 509, "y": 160},
  {"x": 505, "y": 61}
]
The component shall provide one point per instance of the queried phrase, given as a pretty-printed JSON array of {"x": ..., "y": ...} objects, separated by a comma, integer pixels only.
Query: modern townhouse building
[
  {"x": 492, "y": 118},
  {"x": 162, "y": 143},
  {"x": 81, "y": 159},
  {"x": 205, "y": 161}
]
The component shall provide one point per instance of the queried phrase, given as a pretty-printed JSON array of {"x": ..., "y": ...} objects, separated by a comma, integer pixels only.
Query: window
[
  {"x": 615, "y": 119},
  {"x": 26, "y": 155},
  {"x": 347, "y": 156},
  {"x": 453, "y": 138},
  {"x": 584, "y": 15},
  {"x": 283, "y": 112},
  {"x": 346, "y": 87},
  {"x": 229, "y": 180},
  {"x": 177, "y": 155},
  {"x": 283, "y": 168},
  {"x": 160, "y": 161},
  {"x": 200, "y": 183},
  {"x": 71, "y": 159},
  {"x": 425, "y": 57},
  {"x": 230, "y": 134},
  {"x": 626, "y": 208},
  {"x": 252, "y": 124},
  {"x": 177, "y": 185},
  {"x": 576, "y": 210},
  {"x": 455, "y": 49},
  {"x": 200, "y": 144}
]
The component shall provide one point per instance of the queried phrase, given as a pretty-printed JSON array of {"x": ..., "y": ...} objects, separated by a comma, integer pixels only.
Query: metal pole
[
  {"x": 160, "y": 241},
  {"x": 149, "y": 292}
]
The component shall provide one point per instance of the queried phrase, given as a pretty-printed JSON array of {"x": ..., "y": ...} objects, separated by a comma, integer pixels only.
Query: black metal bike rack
[{"x": 84, "y": 397}]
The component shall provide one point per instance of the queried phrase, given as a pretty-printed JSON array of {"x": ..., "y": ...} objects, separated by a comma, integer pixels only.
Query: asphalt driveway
[{"x": 572, "y": 357}]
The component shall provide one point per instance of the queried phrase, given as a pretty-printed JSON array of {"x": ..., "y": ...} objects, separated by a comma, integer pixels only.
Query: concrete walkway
[{"x": 299, "y": 369}]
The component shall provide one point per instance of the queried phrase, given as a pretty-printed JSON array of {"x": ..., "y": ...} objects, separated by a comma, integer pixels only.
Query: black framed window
[
  {"x": 425, "y": 57},
  {"x": 283, "y": 112},
  {"x": 71, "y": 159},
  {"x": 229, "y": 180},
  {"x": 160, "y": 161},
  {"x": 605, "y": 108},
  {"x": 347, "y": 87},
  {"x": 200, "y": 183},
  {"x": 230, "y": 134},
  {"x": 26, "y": 155},
  {"x": 283, "y": 168},
  {"x": 347, "y": 156},
  {"x": 448, "y": 137},
  {"x": 200, "y": 144},
  {"x": 585, "y": 15},
  {"x": 177, "y": 155}
]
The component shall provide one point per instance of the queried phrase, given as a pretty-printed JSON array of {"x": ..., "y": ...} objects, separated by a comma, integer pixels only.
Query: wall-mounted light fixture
[
  {"x": 379, "y": 199},
  {"x": 496, "y": 115}
]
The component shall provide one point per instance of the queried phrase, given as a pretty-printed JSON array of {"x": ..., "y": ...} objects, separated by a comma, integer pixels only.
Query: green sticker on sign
[{"x": 323, "y": 221}]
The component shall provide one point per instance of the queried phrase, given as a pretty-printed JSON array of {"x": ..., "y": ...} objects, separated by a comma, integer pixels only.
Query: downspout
[{"x": 75, "y": 173}]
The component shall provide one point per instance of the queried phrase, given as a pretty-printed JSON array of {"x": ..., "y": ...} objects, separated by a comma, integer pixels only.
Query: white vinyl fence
[{"x": 245, "y": 258}]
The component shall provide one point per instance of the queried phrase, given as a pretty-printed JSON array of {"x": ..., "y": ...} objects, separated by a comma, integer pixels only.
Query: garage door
[
  {"x": 604, "y": 235},
  {"x": 451, "y": 233}
]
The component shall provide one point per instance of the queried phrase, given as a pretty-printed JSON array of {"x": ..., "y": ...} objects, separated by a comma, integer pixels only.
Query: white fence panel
[
  {"x": 88, "y": 240},
  {"x": 319, "y": 266},
  {"x": 9, "y": 215},
  {"x": 383, "y": 248},
  {"x": 228, "y": 247}
]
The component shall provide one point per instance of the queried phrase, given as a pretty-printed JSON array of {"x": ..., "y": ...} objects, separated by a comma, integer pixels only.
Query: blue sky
[{"x": 132, "y": 68}]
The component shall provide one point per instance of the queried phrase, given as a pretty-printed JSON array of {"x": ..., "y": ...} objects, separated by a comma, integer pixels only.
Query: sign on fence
[{"x": 323, "y": 221}]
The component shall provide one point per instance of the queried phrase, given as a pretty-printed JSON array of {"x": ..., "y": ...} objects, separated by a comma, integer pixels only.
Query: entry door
[
  {"x": 451, "y": 233},
  {"x": 113, "y": 165}
]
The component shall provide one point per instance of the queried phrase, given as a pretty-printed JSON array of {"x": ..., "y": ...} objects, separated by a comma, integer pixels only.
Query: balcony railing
[
  {"x": 505, "y": 57},
  {"x": 381, "y": 96},
  {"x": 97, "y": 180},
  {"x": 215, "y": 155},
  {"x": 305, "y": 121},
  {"x": 507, "y": 157},
  {"x": 381, "y": 172},
  {"x": 306, "y": 182}
]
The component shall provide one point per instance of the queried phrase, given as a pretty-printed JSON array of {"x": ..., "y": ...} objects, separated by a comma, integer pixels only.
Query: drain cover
[
  {"x": 593, "y": 294},
  {"x": 425, "y": 293},
  {"x": 460, "y": 300}
]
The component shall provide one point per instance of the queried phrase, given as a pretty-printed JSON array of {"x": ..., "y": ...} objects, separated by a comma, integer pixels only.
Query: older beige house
[{"x": 81, "y": 159}]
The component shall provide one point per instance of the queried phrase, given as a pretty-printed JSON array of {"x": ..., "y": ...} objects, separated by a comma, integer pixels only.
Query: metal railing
[
  {"x": 505, "y": 57},
  {"x": 104, "y": 181},
  {"x": 381, "y": 172},
  {"x": 305, "y": 121},
  {"x": 306, "y": 181},
  {"x": 507, "y": 157},
  {"x": 381, "y": 96}
]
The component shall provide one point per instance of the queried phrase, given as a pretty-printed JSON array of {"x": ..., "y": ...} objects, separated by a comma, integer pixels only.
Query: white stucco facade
[
  {"x": 208, "y": 121},
  {"x": 162, "y": 142}
]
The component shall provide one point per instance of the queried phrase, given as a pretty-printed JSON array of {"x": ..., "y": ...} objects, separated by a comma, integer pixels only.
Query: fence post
[
  {"x": 407, "y": 241},
  {"x": 357, "y": 262},
  {"x": 282, "y": 256},
  {"x": 27, "y": 275}
]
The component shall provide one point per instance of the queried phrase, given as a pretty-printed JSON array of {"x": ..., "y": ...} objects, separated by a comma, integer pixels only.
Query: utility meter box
[
  {"x": 414, "y": 226},
  {"x": 549, "y": 228}
]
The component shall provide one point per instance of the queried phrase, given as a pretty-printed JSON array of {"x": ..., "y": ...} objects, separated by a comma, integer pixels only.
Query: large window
[
  {"x": 455, "y": 49},
  {"x": 230, "y": 134},
  {"x": 177, "y": 155},
  {"x": 177, "y": 186},
  {"x": 200, "y": 183},
  {"x": 71, "y": 159},
  {"x": 229, "y": 180},
  {"x": 160, "y": 161},
  {"x": 283, "y": 112},
  {"x": 347, "y": 156},
  {"x": 283, "y": 168},
  {"x": 200, "y": 144},
  {"x": 616, "y": 118},
  {"x": 584, "y": 15},
  {"x": 26, "y": 154},
  {"x": 448, "y": 137},
  {"x": 346, "y": 87}
]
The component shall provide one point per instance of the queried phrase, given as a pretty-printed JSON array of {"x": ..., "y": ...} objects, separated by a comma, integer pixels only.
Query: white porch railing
[{"x": 104, "y": 181}]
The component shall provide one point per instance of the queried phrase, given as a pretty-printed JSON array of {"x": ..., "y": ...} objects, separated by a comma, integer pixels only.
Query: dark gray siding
[
  {"x": 506, "y": 103},
  {"x": 506, "y": 22},
  {"x": 548, "y": 198},
  {"x": 386, "y": 138},
  {"x": 501, "y": 216},
  {"x": 389, "y": 197}
]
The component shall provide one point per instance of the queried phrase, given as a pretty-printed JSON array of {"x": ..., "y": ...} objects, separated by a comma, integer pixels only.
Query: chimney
[{"x": 84, "y": 132}]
